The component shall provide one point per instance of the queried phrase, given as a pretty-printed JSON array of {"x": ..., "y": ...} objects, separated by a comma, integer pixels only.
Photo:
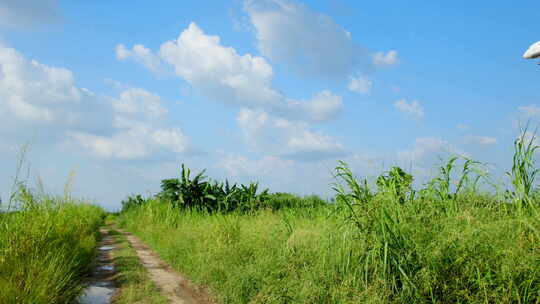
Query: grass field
[
  {"x": 410, "y": 253},
  {"x": 379, "y": 242},
  {"x": 46, "y": 247}
]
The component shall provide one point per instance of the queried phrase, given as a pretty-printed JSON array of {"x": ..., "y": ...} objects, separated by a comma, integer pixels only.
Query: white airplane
[{"x": 533, "y": 51}]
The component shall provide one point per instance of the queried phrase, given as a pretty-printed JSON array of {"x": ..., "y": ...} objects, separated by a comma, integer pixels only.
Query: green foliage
[
  {"x": 380, "y": 219},
  {"x": 211, "y": 196},
  {"x": 523, "y": 173},
  {"x": 397, "y": 183},
  {"x": 442, "y": 186},
  {"x": 46, "y": 247},
  {"x": 280, "y": 200},
  {"x": 133, "y": 201}
]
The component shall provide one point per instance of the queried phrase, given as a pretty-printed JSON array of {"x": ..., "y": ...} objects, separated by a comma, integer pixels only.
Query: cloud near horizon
[{"x": 284, "y": 138}]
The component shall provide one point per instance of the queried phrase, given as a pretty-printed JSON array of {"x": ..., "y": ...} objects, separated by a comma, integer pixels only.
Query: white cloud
[
  {"x": 138, "y": 129},
  {"x": 360, "y": 84},
  {"x": 283, "y": 174},
  {"x": 141, "y": 55},
  {"x": 236, "y": 165},
  {"x": 271, "y": 122},
  {"x": 35, "y": 94},
  {"x": 282, "y": 137},
  {"x": 382, "y": 59},
  {"x": 289, "y": 32},
  {"x": 412, "y": 109},
  {"x": 222, "y": 74},
  {"x": 40, "y": 100},
  {"x": 138, "y": 101},
  {"x": 323, "y": 106},
  {"x": 28, "y": 13},
  {"x": 530, "y": 111},
  {"x": 132, "y": 140},
  {"x": 219, "y": 71},
  {"x": 480, "y": 140},
  {"x": 425, "y": 149}
]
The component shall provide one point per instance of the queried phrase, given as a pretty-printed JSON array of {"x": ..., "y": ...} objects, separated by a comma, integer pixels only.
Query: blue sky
[{"x": 271, "y": 90}]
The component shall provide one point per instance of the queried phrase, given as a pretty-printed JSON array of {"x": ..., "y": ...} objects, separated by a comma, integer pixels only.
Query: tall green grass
[
  {"x": 395, "y": 254},
  {"x": 46, "y": 246},
  {"x": 446, "y": 242}
]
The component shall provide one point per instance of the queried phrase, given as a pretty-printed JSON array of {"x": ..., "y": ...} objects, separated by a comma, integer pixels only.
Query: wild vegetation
[
  {"x": 446, "y": 242},
  {"x": 46, "y": 245},
  {"x": 204, "y": 195}
]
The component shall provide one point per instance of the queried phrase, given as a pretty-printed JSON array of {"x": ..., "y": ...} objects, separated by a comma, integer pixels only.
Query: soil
[{"x": 172, "y": 284}]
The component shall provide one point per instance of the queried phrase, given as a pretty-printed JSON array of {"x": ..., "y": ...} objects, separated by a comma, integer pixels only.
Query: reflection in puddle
[
  {"x": 106, "y": 268},
  {"x": 96, "y": 295},
  {"x": 103, "y": 284},
  {"x": 100, "y": 288}
]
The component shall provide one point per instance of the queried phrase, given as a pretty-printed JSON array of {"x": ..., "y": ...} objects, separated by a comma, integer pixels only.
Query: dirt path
[
  {"x": 174, "y": 286},
  {"x": 101, "y": 285}
]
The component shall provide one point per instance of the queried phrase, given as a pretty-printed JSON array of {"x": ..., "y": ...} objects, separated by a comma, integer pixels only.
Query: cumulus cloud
[
  {"x": 480, "y": 140},
  {"x": 139, "y": 101},
  {"x": 34, "y": 94},
  {"x": 382, "y": 59},
  {"x": 132, "y": 140},
  {"x": 322, "y": 107},
  {"x": 222, "y": 74},
  {"x": 219, "y": 71},
  {"x": 28, "y": 13},
  {"x": 141, "y": 55},
  {"x": 412, "y": 109},
  {"x": 37, "y": 98},
  {"x": 282, "y": 137},
  {"x": 139, "y": 130},
  {"x": 360, "y": 84},
  {"x": 289, "y": 32}
]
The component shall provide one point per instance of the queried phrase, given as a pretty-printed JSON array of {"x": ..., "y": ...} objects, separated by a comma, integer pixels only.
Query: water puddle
[
  {"x": 100, "y": 287},
  {"x": 97, "y": 295},
  {"x": 107, "y": 284},
  {"x": 106, "y": 268}
]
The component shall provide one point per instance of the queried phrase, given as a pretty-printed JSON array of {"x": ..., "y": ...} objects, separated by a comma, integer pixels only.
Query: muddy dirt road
[{"x": 173, "y": 285}]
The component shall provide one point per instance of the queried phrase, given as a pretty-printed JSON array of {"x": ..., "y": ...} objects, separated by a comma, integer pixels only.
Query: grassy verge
[
  {"x": 134, "y": 284},
  {"x": 474, "y": 255},
  {"x": 46, "y": 248}
]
